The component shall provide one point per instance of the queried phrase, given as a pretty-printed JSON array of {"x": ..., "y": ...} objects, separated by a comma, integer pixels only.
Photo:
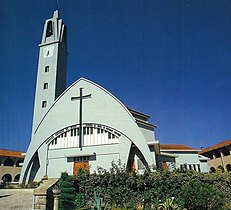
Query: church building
[{"x": 83, "y": 125}]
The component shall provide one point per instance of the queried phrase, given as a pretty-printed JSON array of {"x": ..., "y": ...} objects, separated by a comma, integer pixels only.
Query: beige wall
[
  {"x": 12, "y": 170},
  {"x": 223, "y": 160}
]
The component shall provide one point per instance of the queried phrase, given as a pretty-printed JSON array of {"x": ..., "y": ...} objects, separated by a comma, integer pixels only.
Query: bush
[
  {"x": 68, "y": 191},
  {"x": 198, "y": 195},
  {"x": 121, "y": 189}
]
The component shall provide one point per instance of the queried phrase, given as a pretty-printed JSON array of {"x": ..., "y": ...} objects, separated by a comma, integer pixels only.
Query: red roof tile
[
  {"x": 175, "y": 146},
  {"x": 216, "y": 146},
  {"x": 10, "y": 153}
]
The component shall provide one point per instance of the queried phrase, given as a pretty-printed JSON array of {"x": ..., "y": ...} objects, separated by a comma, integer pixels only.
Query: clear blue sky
[{"x": 170, "y": 59}]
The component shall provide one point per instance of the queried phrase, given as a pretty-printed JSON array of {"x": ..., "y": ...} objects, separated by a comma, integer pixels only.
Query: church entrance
[{"x": 81, "y": 166}]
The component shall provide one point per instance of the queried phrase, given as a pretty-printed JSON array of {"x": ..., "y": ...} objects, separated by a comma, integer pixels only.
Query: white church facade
[{"x": 81, "y": 124}]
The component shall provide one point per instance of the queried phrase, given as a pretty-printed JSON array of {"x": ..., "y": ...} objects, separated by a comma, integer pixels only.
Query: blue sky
[{"x": 169, "y": 59}]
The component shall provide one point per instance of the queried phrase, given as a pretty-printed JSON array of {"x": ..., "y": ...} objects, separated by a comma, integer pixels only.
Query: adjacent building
[
  {"x": 177, "y": 156},
  {"x": 10, "y": 165},
  {"x": 219, "y": 156}
]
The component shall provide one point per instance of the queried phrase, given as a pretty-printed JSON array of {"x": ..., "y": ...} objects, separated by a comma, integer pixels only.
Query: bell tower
[{"x": 52, "y": 67}]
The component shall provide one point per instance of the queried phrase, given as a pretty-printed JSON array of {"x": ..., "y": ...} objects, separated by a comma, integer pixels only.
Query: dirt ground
[{"x": 16, "y": 199}]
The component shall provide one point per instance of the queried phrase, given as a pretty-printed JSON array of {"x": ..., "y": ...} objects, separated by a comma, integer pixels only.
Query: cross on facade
[{"x": 80, "y": 98}]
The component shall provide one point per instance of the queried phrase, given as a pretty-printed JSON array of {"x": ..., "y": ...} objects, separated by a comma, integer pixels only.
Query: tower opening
[{"x": 49, "y": 29}]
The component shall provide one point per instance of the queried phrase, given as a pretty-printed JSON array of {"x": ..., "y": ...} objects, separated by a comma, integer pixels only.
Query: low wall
[{"x": 43, "y": 196}]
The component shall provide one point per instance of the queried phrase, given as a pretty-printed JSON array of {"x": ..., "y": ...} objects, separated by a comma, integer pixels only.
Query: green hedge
[{"x": 120, "y": 189}]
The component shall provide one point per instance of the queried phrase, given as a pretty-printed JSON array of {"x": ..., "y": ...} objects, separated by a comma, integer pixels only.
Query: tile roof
[
  {"x": 10, "y": 153},
  {"x": 216, "y": 146},
  {"x": 175, "y": 147}
]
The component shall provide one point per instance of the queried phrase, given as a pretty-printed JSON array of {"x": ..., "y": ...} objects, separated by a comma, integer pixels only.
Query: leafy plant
[
  {"x": 121, "y": 189},
  {"x": 68, "y": 192},
  {"x": 198, "y": 195},
  {"x": 169, "y": 204}
]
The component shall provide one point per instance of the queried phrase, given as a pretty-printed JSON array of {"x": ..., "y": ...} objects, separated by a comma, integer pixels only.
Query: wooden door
[
  {"x": 81, "y": 165},
  {"x": 164, "y": 166}
]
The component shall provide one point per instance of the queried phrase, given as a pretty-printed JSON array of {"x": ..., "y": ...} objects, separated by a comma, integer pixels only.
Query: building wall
[
  {"x": 191, "y": 161},
  {"x": 223, "y": 161},
  {"x": 220, "y": 158},
  {"x": 148, "y": 134},
  {"x": 12, "y": 171}
]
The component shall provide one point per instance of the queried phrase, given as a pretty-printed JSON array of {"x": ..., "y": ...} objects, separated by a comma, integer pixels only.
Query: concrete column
[
  {"x": 222, "y": 155},
  {"x": 56, "y": 193}
]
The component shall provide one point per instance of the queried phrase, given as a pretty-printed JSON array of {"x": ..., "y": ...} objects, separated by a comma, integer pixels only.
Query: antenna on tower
[{"x": 57, "y": 4}]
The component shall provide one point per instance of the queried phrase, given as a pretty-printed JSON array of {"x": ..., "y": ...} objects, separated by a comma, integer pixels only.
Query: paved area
[{"x": 11, "y": 199}]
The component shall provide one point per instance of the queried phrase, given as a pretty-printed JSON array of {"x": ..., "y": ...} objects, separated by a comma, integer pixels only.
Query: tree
[{"x": 67, "y": 196}]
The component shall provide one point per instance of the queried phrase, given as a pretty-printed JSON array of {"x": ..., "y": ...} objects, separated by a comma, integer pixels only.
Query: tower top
[
  {"x": 56, "y": 14},
  {"x": 54, "y": 30}
]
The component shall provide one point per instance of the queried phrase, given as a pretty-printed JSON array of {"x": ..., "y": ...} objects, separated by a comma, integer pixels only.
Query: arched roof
[{"x": 102, "y": 108}]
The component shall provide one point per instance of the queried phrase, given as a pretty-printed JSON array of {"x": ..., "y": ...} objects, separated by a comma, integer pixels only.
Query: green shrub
[
  {"x": 68, "y": 192},
  {"x": 198, "y": 195},
  {"x": 121, "y": 189}
]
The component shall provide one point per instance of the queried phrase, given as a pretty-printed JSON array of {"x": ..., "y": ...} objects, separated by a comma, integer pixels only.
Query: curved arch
[
  {"x": 221, "y": 168},
  {"x": 212, "y": 169},
  {"x": 225, "y": 152},
  {"x": 228, "y": 167},
  {"x": 18, "y": 163},
  {"x": 7, "y": 177},
  {"x": 8, "y": 162},
  {"x": 16, "y": 178},
  {"x": 94, "y": 134}
]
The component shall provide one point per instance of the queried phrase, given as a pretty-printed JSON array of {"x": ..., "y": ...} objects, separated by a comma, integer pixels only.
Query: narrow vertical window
[
  {"x": 46, "y": 68},
  {"x": 98, "y": 130},
  {"x": 44, "y": 104},
  {"x": 45, "y": 86},
  {"x": 88, "y": 131}
]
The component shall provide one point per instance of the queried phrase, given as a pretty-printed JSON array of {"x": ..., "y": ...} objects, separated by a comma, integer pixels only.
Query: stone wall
[{"x": 43, "y": 196}]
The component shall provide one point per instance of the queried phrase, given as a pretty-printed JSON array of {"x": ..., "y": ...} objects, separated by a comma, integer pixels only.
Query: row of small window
[
  {"x": 44, "y": 103},
  {"x": 195, "y": 167},
  {"x": 45, "y": 86},
  {"x": 89, "y": 131},
  {"x": 86, "y": 131},
  {"x": 82, "y": 158}
]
